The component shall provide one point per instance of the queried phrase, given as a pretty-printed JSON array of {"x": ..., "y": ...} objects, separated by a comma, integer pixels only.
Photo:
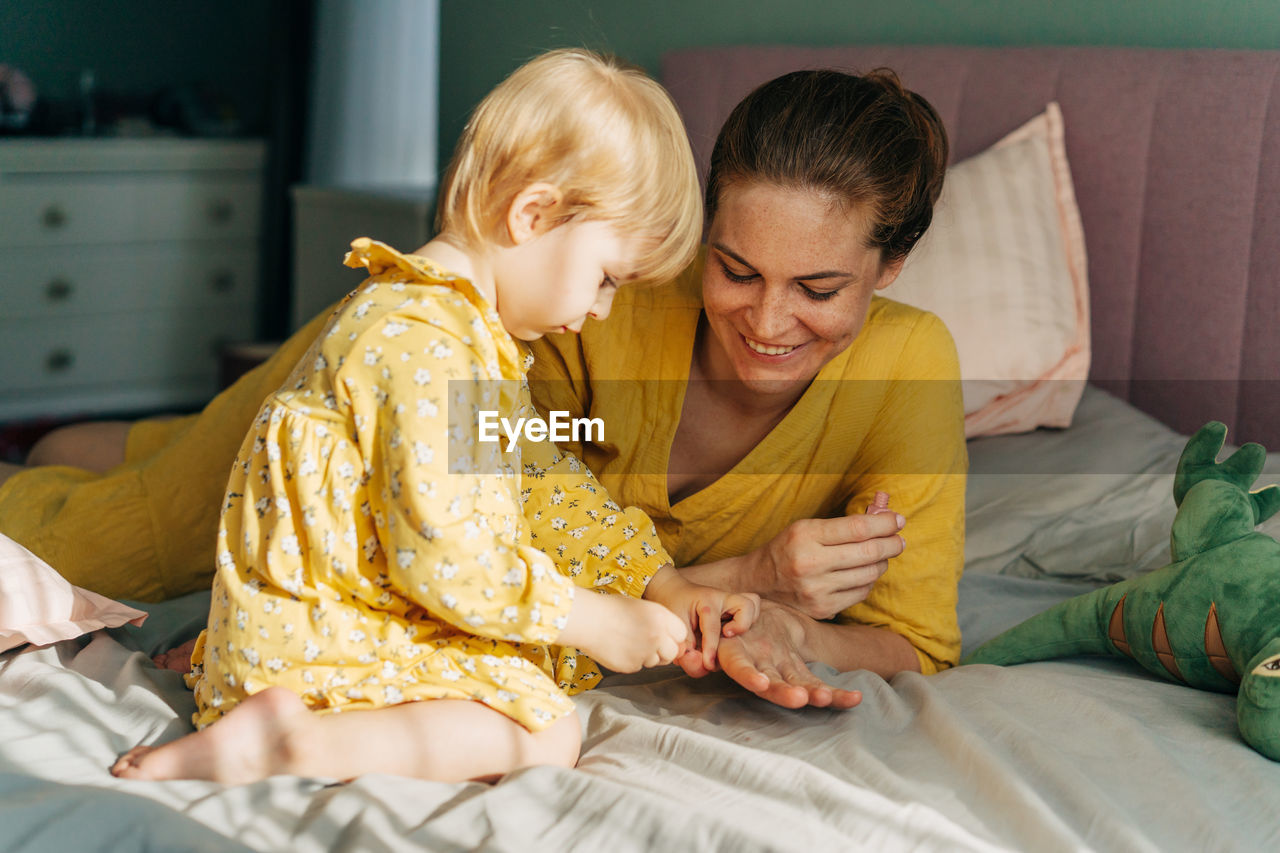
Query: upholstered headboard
[{"x": 1175, "y": 156}]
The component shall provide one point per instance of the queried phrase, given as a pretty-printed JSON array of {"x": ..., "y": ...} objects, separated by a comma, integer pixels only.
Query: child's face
[{"x": 553, "y": 281}]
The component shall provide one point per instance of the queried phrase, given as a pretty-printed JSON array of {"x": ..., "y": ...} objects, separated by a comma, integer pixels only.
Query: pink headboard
[{"x": 1175, "y": 156}]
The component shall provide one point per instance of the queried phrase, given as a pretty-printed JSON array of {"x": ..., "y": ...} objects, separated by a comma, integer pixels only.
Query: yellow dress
[
  {"x": 372, "y": 553},
  {"x": 886, "y": 413}
]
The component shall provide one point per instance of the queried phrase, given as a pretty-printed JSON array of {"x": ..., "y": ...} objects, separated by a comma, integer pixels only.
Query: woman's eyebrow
[
  {"x": 720, "y": 247},
  {"x": 725, "y": 250}
]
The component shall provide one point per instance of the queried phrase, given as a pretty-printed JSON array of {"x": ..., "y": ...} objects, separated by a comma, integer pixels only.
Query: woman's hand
[
  {"x": 708, "y": 613},
  {"x": 770, "y": 661},
  {"x": 821, "y": 566}
]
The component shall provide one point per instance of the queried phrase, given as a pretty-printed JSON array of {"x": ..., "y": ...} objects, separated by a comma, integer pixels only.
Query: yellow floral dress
[{"x": 370, "y": 552}]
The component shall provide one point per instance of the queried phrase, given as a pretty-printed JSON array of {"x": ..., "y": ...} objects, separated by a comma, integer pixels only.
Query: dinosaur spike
[
  {"x": 1197, "y": 457},
  {"x": 1265, "y": 502},
  {"x": 1198, "y": 462}
]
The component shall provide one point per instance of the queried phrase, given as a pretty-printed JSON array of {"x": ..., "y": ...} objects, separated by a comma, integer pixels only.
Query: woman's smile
[{"x": 772, "y": 352}]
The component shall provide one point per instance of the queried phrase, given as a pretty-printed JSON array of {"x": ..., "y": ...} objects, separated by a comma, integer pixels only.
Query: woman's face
[{"x": 787, "y": 283}]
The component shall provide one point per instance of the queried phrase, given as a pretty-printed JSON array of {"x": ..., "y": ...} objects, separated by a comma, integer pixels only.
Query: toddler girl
[{"x": 371, "y": 555}]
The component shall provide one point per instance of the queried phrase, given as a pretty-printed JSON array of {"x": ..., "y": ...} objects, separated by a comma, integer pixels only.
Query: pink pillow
[
  {"x": 39, "y": 606},
  {"x": 1004, "y": 267}
]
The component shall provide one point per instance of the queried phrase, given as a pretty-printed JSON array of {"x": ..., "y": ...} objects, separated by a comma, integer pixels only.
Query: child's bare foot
[
  {"x": 251, "y": 742},
  {"x": 177, "y": 659}
]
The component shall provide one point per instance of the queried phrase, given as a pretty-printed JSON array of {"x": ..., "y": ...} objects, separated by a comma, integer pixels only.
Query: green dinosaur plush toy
[{"x": 1210, "y": 615}]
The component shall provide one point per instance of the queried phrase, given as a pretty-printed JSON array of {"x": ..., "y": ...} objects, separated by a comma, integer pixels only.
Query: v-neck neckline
[{"x": 681, "y": 356}]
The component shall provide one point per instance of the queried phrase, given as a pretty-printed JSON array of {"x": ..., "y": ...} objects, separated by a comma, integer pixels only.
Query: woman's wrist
[
  {"x": 852, "y": 646},
  {"x": 732, "y": 574}
]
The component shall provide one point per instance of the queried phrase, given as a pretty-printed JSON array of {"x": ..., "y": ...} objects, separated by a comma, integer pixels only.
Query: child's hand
[
  {"x": 624, "y": 634},
  {"x": 708, "y": 612}
]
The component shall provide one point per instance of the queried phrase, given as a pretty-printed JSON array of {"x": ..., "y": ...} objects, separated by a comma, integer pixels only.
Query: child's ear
[{"x": 532, "y": 211}]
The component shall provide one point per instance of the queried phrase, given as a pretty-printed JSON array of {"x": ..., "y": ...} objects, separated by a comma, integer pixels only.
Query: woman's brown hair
[{"x": 863, "y": 139}]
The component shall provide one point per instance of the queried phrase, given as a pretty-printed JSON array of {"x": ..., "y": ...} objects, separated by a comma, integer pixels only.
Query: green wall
[
  {"x": 138, "y": 46},
  {"x": 483, "y": 41}
]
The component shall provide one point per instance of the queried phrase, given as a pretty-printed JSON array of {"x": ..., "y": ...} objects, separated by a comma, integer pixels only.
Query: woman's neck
[
  {"x": 711, "y": 364},
  {"x": 448, "y": 253}
]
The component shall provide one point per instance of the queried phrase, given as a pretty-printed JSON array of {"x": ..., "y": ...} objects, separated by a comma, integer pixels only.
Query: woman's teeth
[{"x": 767, "y": 350}]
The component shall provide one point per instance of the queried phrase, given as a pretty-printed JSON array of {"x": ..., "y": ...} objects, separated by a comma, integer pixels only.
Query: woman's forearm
[{"x": 848, "y": 647}]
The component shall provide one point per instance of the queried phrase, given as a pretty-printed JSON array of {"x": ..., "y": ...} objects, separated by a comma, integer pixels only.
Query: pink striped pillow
[
  {"x": 39, "y": 606},
  {"x": 1004, "y": 267}
]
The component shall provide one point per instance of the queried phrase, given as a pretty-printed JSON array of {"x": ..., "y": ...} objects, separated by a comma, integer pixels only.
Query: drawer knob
[
  {"x": 223, "y": 281},
  {"x": 53, "y": 217},
  {"x": 220, "y": 211},
  {"x": 58, "y": 290},
  {"x": 60, "y": 360}
]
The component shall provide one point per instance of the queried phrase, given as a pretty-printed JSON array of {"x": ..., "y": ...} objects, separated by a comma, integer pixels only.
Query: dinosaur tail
[{"x": 1077, "y": 626}]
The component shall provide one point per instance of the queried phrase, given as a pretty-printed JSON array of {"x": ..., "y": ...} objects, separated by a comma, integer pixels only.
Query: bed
[{"x": 1061, "y": 755}]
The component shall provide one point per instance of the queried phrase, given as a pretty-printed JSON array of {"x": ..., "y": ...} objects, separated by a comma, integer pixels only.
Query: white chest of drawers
[{"x": 124, "y": 264}]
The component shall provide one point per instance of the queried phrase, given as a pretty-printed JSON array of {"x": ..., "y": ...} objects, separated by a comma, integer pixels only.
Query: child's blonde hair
[{"x": 604, "y": 133}]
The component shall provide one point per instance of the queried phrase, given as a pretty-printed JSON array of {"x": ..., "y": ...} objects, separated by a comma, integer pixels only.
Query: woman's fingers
[
  {"x": 692, "y": 664},
  {"x": 856, "y": 528},
  {"x": 799, "y": 675},
  {"x": 739, "y": 665}
]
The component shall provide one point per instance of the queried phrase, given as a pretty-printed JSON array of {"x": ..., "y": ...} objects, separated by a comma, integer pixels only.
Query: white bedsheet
[{"x": 1062, "y": 755}]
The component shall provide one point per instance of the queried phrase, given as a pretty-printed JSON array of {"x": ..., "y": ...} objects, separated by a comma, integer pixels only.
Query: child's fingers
[
  {"x": 709, "y": 625},
  {"x": 745, "y": 607}
]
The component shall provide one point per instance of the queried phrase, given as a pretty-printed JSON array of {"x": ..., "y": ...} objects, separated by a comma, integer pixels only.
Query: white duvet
[{"x": 1061, "y": 755}]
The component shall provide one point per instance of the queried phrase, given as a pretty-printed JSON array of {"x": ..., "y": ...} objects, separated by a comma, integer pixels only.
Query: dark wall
[{"x": 139, "y": 46}]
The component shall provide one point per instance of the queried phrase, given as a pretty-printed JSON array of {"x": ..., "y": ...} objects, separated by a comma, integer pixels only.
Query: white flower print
[
  {"x": 394, "y": 329},
  {"x": 423, "y": 453}
]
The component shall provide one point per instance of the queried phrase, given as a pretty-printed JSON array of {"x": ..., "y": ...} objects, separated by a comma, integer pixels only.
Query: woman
[{"x": 760, "y": 403}]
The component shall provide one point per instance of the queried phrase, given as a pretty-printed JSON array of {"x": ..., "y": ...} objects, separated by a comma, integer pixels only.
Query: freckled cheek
[
  {"x": 721, "y": 302},
  {"x": 833, "y": 326}
]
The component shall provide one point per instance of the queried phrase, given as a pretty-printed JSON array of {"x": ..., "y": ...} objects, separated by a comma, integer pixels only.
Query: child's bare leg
[
  {"x": 97, "y": 446},
  {"x": 272, "y": 733}
]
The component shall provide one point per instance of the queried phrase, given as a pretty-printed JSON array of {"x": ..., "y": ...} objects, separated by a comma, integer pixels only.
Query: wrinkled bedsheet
[{"x": 1061, "y": 755}]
